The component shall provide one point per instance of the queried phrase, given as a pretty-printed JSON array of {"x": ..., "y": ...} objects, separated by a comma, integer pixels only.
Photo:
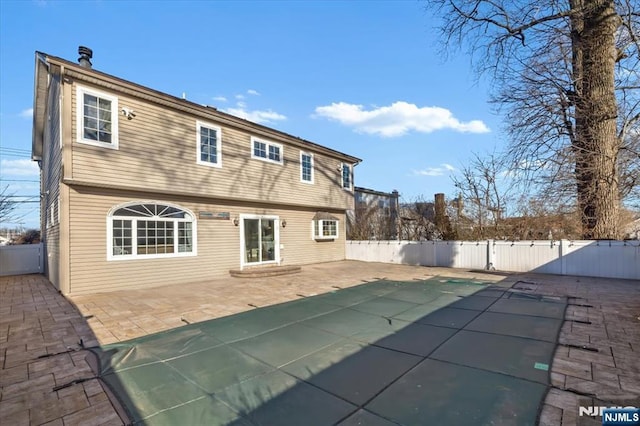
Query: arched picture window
[{"x": 150, "y": 229}]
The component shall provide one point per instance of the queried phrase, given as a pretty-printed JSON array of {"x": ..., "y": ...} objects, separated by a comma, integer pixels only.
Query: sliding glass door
[{"x": 260, "y": 239}]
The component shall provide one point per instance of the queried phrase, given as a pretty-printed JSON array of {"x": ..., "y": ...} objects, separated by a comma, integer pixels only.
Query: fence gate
[{"x": 22, "y": 259}]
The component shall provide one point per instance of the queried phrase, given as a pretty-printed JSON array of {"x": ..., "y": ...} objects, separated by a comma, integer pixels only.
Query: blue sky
[{"x": 366, "y": 78}]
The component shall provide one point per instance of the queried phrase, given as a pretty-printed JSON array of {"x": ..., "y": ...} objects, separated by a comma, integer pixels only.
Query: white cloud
[
  {"x": 19, "y": 168},
  {"x": 397, "y": 119},
  {"x": 535, "y": 164},
  {"x": 27, "y": 113},
  {"x": 240, "y": 97},
  {"x": 253, "y": 92},
  {"x": 435, "y": 171},
  {"x": 220, "y": 99},
  {"x": 258, "y": 116},
  {"x": 241, "y": 105}
]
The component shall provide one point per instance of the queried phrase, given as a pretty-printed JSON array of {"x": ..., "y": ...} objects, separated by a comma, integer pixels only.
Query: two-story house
[{"x": 141, "y": 188}]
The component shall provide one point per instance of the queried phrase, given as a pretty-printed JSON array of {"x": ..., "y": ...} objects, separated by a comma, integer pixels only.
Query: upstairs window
[
  {"x": 266, "y": 150},
  {"x": 346, "y": 176},
  {"x": 306, "y": 167},
  {"x": 209, "y": 143},
  {"x": 97, "y": 118},
  {"x": 149, "y": 230}
]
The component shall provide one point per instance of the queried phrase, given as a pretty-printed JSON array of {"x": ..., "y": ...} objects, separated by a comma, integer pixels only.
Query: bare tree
[
  {"x": 7, "y": 205},
  {"x": 417, "y": 221},
  {"x": 374, "y": 217},
  {"x": 485, "y": 190},
  {"x": 540, "y": 218},
  {"x": 566, "y": 73},
  {"x": 442, "y": 218},
  {"x": 629, "y": 165},
  {"x": 30, "y": 236},
  {"x": 371, "y": 222}
]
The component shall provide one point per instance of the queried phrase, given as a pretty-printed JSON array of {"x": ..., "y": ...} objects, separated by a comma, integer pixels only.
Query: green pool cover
[{"x": 441, "y": 351}]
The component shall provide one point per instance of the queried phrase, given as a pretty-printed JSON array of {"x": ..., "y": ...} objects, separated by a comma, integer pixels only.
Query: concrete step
[{"x": 265, "y": 271}]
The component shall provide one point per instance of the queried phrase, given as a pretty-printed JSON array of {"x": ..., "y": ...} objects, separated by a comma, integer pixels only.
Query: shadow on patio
[{"x": 43, "y": 373}]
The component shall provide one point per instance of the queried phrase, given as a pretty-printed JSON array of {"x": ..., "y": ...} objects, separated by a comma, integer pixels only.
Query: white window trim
[
  {"x": 310, "y": 182},
  {"x": 276, "y": 224},
  {"x": 267, "y": 143},
  {"x": 323, "y": 237},
  {"x": 80, "y": 91},
  {"x": 350, "y": 167},
  {"x": 134, "y": 232},
  {"x": 199, "y": 125}
]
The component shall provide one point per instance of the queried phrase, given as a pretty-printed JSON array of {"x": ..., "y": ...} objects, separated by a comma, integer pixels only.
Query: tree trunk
[{"x": 596, "y": 144}]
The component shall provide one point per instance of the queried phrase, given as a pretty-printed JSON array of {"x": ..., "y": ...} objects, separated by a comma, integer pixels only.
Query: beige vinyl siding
[
  {"x": 52, "y": 253},
  {"x": 51, "y": 172},
  {"x": 158, "y": 150},
  {"x": 218, "y": 242},
  {"x": 299, "y": 246}
]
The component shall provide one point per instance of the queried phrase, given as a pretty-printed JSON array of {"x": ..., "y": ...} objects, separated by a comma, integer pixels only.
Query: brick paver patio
[{"x": 42, "y": 333}]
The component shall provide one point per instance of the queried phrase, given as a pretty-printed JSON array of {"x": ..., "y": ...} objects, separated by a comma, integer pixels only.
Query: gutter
[{"x": 38, "y": 109}]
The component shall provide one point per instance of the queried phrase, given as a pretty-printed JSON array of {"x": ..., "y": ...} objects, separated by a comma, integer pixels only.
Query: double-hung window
[
  {"x": 209, "y": 144},
  {"x": 346, "y": 176},
  {"x": 149, "y": 230},
  {"x": 326, "y": 229},
  {"x": 266, "y": 150},
  {"x": 96, "y": 118},
  {"x": 325, "y": 226},
  {"x": 306, "y": 167}
]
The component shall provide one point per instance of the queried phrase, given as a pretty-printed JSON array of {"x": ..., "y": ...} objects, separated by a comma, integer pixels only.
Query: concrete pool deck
[{"x": 36, "y": 321}]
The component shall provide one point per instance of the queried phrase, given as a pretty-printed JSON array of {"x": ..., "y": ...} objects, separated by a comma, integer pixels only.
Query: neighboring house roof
[
  {"x": 374, "y": 192},
  {"x": 74, "y": 70}
]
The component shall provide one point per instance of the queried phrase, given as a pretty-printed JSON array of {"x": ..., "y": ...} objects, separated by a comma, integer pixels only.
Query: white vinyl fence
[
  {"x": 607, "y": 259},
  {"x": 22, "y": 259}
]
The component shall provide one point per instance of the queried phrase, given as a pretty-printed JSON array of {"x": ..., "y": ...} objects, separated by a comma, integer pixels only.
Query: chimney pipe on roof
[{"x": 85, "y": 56}]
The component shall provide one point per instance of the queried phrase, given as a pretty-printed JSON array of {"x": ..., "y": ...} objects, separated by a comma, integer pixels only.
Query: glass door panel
[
  {"x": 252, "y": 240},
  {"x": 268, "y": 240}
]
